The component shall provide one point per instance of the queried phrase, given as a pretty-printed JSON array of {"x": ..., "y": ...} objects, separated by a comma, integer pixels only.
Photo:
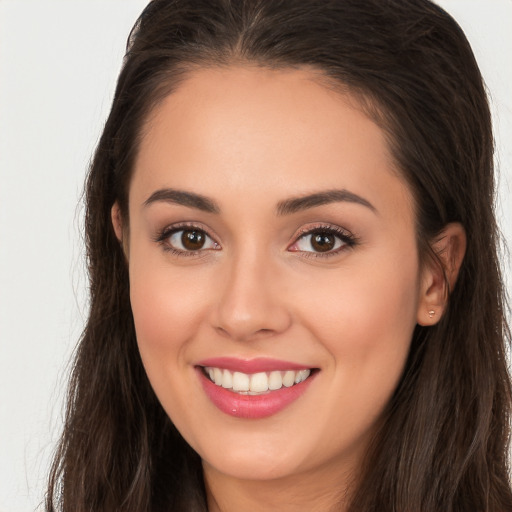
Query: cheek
[
  {"x": 167, "y": 308},
  {"x": 381, "y": 310},
  {"x": 166, "y": 304},
  {"x": 365, "y": 320},
  {"x": 372, "y": 301},
  {"x": 381, "y": 324}
]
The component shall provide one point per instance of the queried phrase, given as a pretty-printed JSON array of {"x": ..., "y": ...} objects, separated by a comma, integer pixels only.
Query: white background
[{"x": 59, "y": 60}]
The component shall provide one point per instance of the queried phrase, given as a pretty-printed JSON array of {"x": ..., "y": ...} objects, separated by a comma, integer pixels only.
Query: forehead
[{"x": 264, "y": 131}]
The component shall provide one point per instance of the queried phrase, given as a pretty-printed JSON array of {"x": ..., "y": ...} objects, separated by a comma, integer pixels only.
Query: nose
[{"x": 251, "y": 303}]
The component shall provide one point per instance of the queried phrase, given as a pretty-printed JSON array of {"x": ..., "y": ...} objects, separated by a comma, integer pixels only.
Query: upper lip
[{"x": 257, "y": 365}]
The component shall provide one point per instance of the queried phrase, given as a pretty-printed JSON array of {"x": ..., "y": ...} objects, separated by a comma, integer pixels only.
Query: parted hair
[{"x": 443, "y": 441}]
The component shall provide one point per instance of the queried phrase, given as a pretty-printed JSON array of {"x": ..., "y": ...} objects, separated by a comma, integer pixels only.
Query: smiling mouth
[{"x": 255, "y": 383}]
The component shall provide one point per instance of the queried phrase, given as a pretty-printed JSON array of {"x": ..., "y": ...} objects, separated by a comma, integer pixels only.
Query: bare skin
[{"x": 248, "y": 142}]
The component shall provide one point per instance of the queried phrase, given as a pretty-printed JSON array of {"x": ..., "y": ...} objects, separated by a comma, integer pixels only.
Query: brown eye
[
  {"x": 323, "y": 242},
  {"x": 193, "y": 240},
  {"x": 188, "y": 240}
]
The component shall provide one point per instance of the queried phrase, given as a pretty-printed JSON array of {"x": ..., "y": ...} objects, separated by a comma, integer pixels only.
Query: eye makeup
[
  {"x": 322, "y": 241},
  {"x": 193, "y": 240},
  {"x": 316, "y": 241}
]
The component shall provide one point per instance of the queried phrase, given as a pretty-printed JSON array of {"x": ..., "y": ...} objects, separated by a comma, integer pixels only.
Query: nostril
[{"x": 243, "y": 314}]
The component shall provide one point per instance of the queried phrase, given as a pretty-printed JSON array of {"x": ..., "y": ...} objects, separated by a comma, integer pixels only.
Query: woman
[{"x": 295, "y": 295}]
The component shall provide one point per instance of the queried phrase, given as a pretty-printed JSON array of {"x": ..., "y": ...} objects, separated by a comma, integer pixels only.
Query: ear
[
  {"x": 117, "y": 221},
  {"x": 440, "y": 274},
  {"x": 119, "y": 228}
]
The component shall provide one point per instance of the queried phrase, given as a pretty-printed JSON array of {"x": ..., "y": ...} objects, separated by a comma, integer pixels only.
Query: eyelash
[
  {"x": 348, "y": 239},
  {"x": 164, "y": 235}
]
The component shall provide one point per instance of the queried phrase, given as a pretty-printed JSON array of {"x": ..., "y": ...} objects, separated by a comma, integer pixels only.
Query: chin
[{"x": 254, "y": 465}]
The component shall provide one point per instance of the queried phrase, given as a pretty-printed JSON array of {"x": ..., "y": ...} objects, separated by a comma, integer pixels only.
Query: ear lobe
[{"x": 440, "y": 274}]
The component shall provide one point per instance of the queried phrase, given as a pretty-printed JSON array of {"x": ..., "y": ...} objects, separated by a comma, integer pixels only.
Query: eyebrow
[
  {"x": 297, "y": 204},
  {"x": 286, "y": 207},
  {"x": 169, "y": 195}
]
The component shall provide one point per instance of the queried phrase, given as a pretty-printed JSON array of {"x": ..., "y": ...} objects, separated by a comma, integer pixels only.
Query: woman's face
[{"x": 271, "y": 238}]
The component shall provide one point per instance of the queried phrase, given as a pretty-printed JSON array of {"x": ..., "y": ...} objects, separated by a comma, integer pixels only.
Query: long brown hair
[{"x": 443, "y": 443}]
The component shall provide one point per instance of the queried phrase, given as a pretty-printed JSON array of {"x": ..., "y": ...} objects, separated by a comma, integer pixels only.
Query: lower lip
[{"x": 252, "y": 406}]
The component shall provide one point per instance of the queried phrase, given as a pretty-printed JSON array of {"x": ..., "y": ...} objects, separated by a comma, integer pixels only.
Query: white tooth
[
  {"x": 259, "y": 382},
  {"x": 240, "y": 381},
  {"x": 217, "y": 376},
  {"x": 289, "y": 378},
  {"x": 211, "y": 373},
  {"x": 275, "y": 381},
  {"x": 301, "y": 376},
  {"x": 227, "y": 379}
]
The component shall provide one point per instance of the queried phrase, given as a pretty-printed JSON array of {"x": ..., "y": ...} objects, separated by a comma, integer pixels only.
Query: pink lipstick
[{"x": 255, "y": 388}]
